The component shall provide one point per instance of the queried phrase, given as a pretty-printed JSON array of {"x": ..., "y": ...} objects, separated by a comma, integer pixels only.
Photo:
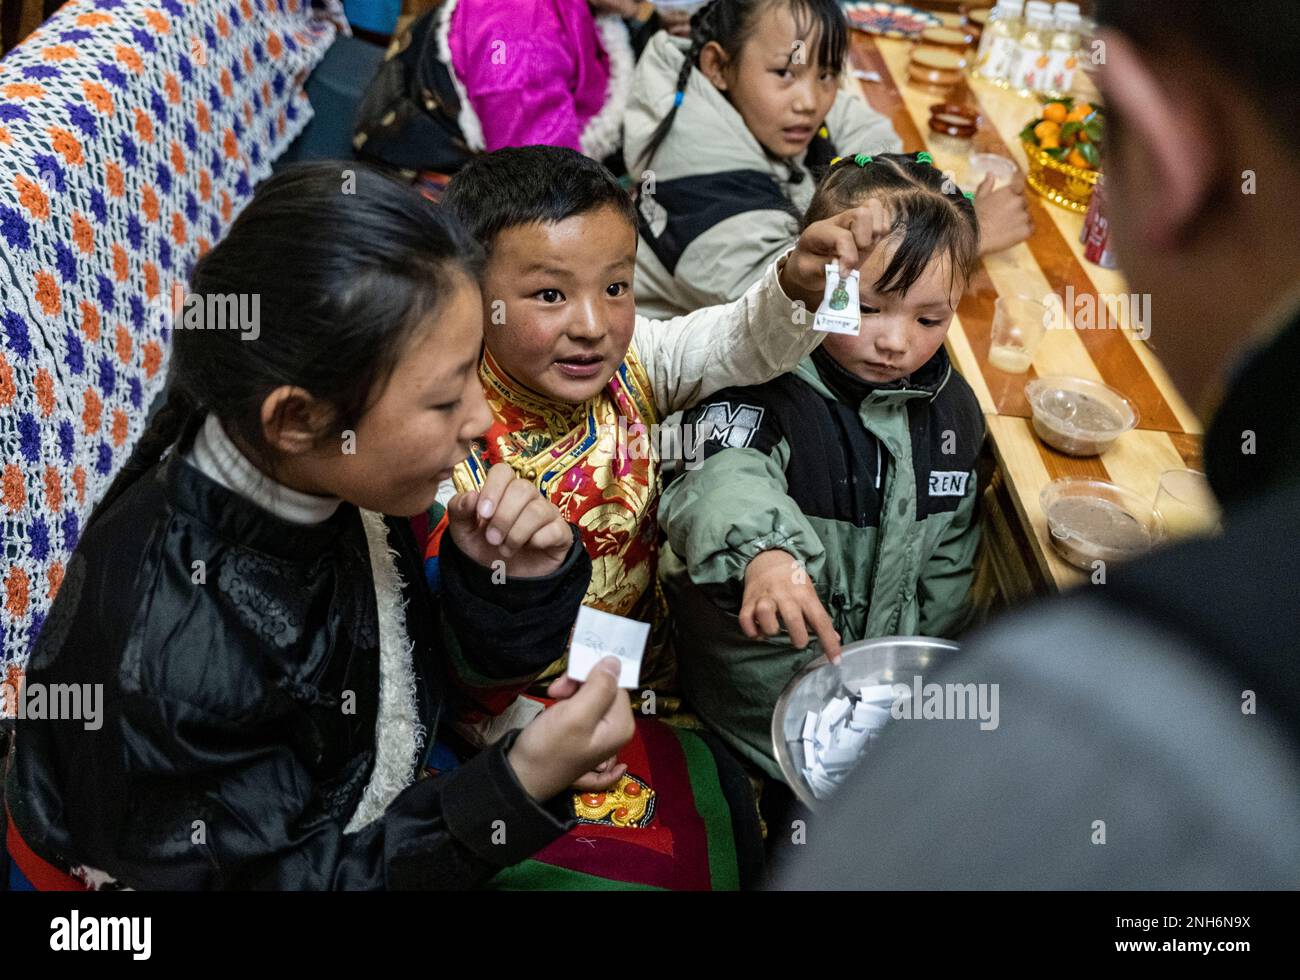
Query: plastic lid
[
  {"x": 945, "y": 59},
  {"x": 1101, "y": 527},
  {"x": 1011, "y": 6},
  {"x": 1092, "y": 519},
  {"x": 1064, "y": 7},
  {"x": 1080, "y": 406},
  {"x": 949, "y": 36}
]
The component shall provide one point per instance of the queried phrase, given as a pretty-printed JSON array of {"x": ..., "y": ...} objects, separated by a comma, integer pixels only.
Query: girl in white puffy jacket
[{"x": 727, "y": 134}]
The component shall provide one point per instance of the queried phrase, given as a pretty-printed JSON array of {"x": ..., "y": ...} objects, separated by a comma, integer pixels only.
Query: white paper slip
[
  {"x": 809, "y": 725},
  {"x": 837, "y": 760},
  {"x": 822, "y": 783},
  {"x": 836, "y": 710},
  {"x": 870, "y": 715},
  {"x": 846, "y": 738},
  {"x": 877, "y": 693},
  {"x": 823, "y": 734},
  {"x": 597, "y": 635},
  {"x": 840, "y": 311}
]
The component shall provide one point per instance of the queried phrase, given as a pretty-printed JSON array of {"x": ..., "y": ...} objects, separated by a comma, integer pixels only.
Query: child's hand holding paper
[
  {"x": 598, "y": 634},
  {"x": 565, "y": 744},
  {"x": 847, "y": 238},
  {"x": 607, "y": 773}
]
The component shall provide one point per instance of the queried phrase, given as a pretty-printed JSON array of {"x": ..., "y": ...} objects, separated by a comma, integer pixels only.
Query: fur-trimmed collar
[
  {"x": 470, "y": 127},
  {"x": 399, "y": 736},
  {"x": 603, "y": 133}
]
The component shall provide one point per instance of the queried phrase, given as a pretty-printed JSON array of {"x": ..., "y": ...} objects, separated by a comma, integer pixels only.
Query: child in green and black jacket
[{"x": 837, "y": 500}]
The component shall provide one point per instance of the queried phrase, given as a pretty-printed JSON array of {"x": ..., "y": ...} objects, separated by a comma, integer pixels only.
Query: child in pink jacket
[{"x": 554, "y": 72}]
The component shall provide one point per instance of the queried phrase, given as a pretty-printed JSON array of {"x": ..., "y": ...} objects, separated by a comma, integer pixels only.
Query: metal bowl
[{"x": 883, "y": 660}]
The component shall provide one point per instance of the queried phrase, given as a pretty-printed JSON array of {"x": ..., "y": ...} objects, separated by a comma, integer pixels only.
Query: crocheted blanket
[{"x": 131, "y": 134}]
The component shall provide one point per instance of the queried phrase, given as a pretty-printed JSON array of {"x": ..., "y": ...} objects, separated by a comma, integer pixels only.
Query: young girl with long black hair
[{"x": 250, "y": 598}]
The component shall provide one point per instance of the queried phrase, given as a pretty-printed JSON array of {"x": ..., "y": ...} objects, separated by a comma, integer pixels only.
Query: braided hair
[
  {"x": 730, "y": 23},
  {"x": 930, "y": 212}
]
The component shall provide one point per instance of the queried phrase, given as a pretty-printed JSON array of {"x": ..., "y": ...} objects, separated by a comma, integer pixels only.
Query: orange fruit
[
  {"x": 1047, "y": 130},
  {"x": 1049, "y": 143},
  {"x": 1079, "y": 113},
  {"x": 1077, "y": 159},
  {"x": 1055, "y": 112}
]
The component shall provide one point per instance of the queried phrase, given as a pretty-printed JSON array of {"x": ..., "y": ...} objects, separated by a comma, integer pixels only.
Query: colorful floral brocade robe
[{"x": 593, "y": 461}]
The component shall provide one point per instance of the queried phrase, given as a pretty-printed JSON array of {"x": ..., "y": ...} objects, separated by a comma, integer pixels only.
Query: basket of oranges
[{"x": 1064, "y": 150}]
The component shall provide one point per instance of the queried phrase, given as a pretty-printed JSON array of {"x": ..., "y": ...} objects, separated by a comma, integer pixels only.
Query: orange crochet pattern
[{"x": 131, "y": 134}]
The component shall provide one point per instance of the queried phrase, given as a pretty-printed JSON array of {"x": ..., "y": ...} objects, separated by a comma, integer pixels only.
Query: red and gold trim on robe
[
  {"x": 676, "y": 836},
  {"x": 587, "y": 459}
]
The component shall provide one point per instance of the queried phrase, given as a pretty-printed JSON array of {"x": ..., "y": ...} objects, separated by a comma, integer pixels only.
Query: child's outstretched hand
[
  {"x": 508, "y": 519},
  {"x": 848, "y": 238},
  {"x": 566, "y": 742},
  {"x": 776, "y": 584},
  {"x": 1003, "y": 214},
  {"x": 606, "y": 773}
]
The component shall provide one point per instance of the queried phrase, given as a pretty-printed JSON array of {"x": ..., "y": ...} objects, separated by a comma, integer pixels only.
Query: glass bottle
[
  {"x": 1063, "y": 55},
  {"x": 1028, "y": 72},
  {"x": 998, "y": 41}
]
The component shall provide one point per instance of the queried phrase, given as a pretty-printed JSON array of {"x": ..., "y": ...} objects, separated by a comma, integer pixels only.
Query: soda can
[{"x": 1095, "y": 236}]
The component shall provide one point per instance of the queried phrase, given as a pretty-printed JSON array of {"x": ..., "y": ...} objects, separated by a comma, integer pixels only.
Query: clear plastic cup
[
  {"x": 1019, "y": 323},
  {"x": 980, "y": 165},
  {"x": 1187, "y": 504}
]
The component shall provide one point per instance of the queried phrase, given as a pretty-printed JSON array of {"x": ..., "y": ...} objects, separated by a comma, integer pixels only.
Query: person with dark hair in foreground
[
  {"x": 1150, "y": 727},
  {"x": 246, "y": 595}
]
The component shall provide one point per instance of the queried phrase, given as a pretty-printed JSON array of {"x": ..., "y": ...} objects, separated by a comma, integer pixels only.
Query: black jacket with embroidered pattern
[{"x": 240, "y": 661}]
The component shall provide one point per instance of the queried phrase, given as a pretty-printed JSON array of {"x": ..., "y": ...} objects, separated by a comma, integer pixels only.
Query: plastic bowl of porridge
[
  {"x": 1092, "y": 520},
  {"x": 1078, "y": 416}
]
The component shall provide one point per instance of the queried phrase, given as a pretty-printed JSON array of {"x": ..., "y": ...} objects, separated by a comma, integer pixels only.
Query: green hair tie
[
  {"x": 969, "y": 195},
  {"x": 924, "y": 157},
  {"x": 862, "y": 159}
]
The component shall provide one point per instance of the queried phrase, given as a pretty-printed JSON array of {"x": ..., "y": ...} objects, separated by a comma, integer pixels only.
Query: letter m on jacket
[{"x": 732, "y": 427}]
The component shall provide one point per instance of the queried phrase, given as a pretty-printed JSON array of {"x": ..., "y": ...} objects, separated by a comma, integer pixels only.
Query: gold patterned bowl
[{"x": 1061, "y": 183}]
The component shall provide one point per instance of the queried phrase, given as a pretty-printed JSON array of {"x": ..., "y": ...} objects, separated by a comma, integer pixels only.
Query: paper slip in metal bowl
[{"x": 883, "y": 660}]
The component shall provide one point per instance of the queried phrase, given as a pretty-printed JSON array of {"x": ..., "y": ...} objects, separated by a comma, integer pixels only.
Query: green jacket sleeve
[
  {"x": 734, "y": 504},
  {"x": 944, "y": 585}
]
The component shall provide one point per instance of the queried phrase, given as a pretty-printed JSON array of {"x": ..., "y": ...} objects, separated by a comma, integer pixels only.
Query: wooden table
[{"x": 1168, "y": 434}]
